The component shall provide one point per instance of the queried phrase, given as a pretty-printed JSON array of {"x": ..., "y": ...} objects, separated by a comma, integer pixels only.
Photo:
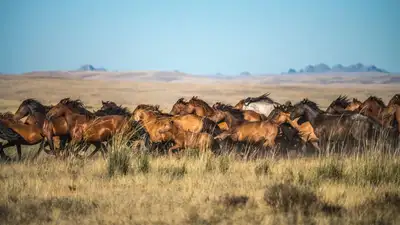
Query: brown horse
[
  {"x": 354, "y": 105},
  {"x": 185, "y": 139},
  {"x": 373, "y": 107},
  {"x": 391, "y": 114},
  {"x": 179, "y": 108},
  {"x": 264, "y": 132},
  {"x": 248, "y": 115},
  {"x": 58, "y": 127},
  {"x": 188, "y": 122},
  {"x": 87, "y": 129},
  {"x": 35, "y": 113},
  {"x": 199, "y": 107},
  {"x": 17, "y": 133},
  {"x": 305, "y": 130}
]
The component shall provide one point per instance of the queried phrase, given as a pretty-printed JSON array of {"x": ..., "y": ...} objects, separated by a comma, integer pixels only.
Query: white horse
[{"x": 262, "y": 104}]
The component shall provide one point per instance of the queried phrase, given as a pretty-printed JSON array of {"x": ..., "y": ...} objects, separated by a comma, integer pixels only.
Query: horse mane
[
  {"x": 395, "y": 100},
  {"x": 377, "y": 100},
  {"x": 341, "y": 101},
  {"x": 200, "y": 103},
  {"x": 181, "y": 100},
  {"x": 355, "y": 100},
  {"x": 309, "y": 103},
  {"x": 78, "y": 105},
  {"x": 149, "y": 107},
  {"x": 264, "y": 97},
  {"x": 7, "y": 116},
  {"x": 35, "y": 105},
  {"x": 114, "y": 109},
  {"x": 228, "y": 108}
]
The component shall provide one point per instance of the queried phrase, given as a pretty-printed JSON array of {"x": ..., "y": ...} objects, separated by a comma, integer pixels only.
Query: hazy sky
[{"x": 207, "y": 36}]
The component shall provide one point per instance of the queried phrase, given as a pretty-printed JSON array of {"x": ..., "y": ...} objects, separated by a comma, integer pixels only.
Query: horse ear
[{"x": 102, "y": 102}]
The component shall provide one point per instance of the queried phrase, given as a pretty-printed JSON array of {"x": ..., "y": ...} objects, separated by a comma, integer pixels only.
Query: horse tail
[
  {"x": 9, "y": 134},
  {"x": 210, "y": 127}
]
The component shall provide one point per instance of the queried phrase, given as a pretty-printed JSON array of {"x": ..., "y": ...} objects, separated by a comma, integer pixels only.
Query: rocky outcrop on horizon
[
  {"x": 88, "y": 67},
  {"x": 323, "y": 68}
]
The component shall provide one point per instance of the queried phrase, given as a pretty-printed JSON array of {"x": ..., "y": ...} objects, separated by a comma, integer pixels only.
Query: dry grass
[
  {"x": 194, "y": 189},
  {"x": 163, "y": 190}
]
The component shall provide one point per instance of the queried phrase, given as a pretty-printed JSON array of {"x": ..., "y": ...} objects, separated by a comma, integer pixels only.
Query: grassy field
[{"x": 134, "y": 188}]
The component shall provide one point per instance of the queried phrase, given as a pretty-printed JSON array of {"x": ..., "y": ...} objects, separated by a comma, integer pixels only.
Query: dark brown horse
[
  {"x": 339, "y": 105},
  {"x": 89, "y": 130},
  {"x": 391, "y": 114},
  {"x": 111, "y": 108},
  {"x": 330, "y": 127}
]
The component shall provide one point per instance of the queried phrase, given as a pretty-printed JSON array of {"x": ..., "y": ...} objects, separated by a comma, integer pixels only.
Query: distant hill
[
  {"x": 88, "y": 67},
  {"x": 323, "y": 68}
]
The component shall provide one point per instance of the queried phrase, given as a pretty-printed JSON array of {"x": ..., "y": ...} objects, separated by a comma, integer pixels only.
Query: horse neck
[
  {"x": 39, "y": 118},
  {"x": 231, "y": 120},
  {"x": 310, "y": 114},
  {"x": 71, "y": 118}
]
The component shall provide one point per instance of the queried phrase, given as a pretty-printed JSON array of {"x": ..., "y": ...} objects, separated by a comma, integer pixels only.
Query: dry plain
[{"x": 334, "y": 189}]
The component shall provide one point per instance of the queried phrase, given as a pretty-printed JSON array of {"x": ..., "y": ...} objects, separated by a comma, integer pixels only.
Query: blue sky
[{"x": 201, "y": 37}]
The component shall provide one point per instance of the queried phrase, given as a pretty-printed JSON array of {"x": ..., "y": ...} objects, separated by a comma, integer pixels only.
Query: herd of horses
[{"x": 194, "y": 124}]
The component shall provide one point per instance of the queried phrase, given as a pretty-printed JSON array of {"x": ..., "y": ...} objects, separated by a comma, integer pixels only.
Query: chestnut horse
[
  {"x": 58, "y": 127},
  {"x": 179, "y": 108},
  {"x": 186, "y": 139},
  {"x": 89, "y": 130},
  {"x": 264, "y": 132}
]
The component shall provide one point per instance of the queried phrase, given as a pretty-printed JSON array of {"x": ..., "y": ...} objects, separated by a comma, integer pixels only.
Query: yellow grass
[{"x": 363, "y": 188}]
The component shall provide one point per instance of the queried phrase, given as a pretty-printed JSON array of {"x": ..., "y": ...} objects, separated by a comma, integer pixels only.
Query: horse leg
[
  {"x": 98, "y": 147},
  {"x": 172, "y": 148},
  {"x": 2, "y": 154},
  {"x": 41, "y": 147},
  {"x": 104, "y": 150},
  {"x": 19, "y": 152}
]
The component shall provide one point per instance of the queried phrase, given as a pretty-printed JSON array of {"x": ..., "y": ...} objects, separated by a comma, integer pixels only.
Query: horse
[
  {"x": 262, "y": 104},
  {"x": 335, "y": 127},
  {"x": 373, "y": 107},
  {"x": 58, "y": 127},
  {"x": 391, "y": 114},
  {"x": 354, "y": 105},
  {"x": 87, "y": 129},
  {"x": 305, "y": 130},
  {"x": 17, "y": 133},
  {"x": 36, "y": 113},
  {"x": 111, "y": 108},
  {"x": 232, "y": 118},
  {"x": 186, "y": 139},
  {"x": 179, "y": 108},
  {"x": 248, "y": 115},
  {"x": 339, "y": 105},
  {"x": 259, "y": 132},
  {"x": 199, "y": 107}
]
